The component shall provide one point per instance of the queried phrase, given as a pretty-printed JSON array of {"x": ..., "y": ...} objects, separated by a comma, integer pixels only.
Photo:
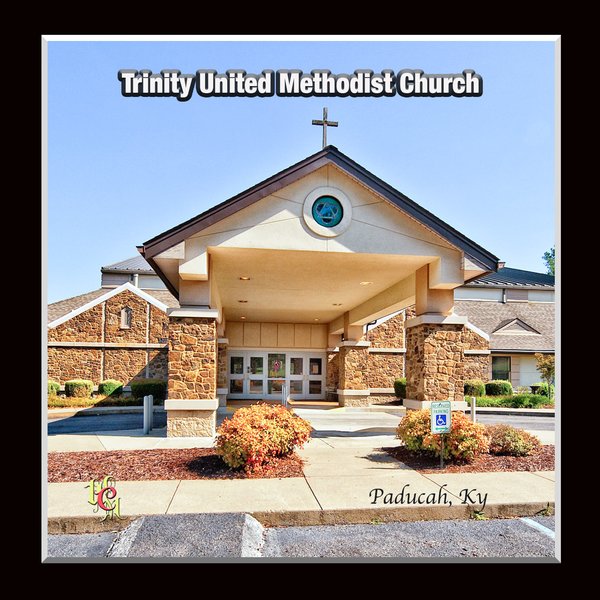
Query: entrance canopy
[{"x": 324, "y": 241}]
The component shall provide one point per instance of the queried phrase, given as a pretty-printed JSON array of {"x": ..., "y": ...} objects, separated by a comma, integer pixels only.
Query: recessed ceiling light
[
  {"x": 243, "y": 301},
  {"x": 337, "y": 304},
  {"x": 242, "y": 318},
  {"x": 316, "y": 319},
  {"x": 366, "y": 282},
  {"x": 244, "y": 278}
]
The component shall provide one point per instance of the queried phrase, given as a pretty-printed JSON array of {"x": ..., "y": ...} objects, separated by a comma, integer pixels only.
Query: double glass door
[{"x": 257, "y": 374}]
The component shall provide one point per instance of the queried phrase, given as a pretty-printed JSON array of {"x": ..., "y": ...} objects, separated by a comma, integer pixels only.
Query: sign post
[{"x": 441, "y": 419}]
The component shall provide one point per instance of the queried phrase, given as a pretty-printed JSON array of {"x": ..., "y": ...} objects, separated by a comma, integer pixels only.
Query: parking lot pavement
[{"x": 238, "y": 535}]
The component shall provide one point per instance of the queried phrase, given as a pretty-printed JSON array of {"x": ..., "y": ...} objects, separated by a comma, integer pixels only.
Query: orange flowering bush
[
  {"x": 465, "y": 441},
  {"x": 255, "y": 435},
  {"x": 505, "y": 439}
]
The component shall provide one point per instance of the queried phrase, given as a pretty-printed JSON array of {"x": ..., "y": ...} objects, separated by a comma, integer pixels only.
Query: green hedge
[
  {"x": 400, "y": 387},
  {"x": 53, "y": 387},
  {"x": 149, "y": 387},
  {"x": 79, "y": 388},
  {"x": 474, "y": 387},
  {"x": 110, "y": 387},
  {"x": 542, "y": 389},
  {"x": 514, "y": 401},
  {"x": 498, "y": 387}
]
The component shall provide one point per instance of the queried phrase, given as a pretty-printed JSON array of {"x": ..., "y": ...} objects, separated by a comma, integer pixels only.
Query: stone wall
[
  {"x": 434, "y": 362},
  {"x": 383, "y": 369},
  {"x": 125, "y": 364},
  {"x": 191, "y": 423},
  {"x": 74, "y": 363},
  {"x": 389, "y": 334},
  {"x": 139, "y": 318},
  {"x": 353, "y": 364},
  {"x": 159, "y": 326},
  {"x": 222, "y": 365},
  {"x": 477, "y": 366},
  {"x": 192, "y": 358},
  {"x": 101, "y": 325},
  {"x": 333, "y": 373},
  {"x": 158, "y": 364},
  {"x": 86, "y": 327}
]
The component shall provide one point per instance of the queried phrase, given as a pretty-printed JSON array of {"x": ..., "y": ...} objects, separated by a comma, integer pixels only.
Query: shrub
[
  {"x": 110, "y": 387},
  {"x": 541, "y": 388},
  {"x": 79, "y": 388},
  {"x": 505, "y": 439},
  {"x": 514, "y": 401},
  {"x": 498, "y": 387},
  {"x": 525, "y": 401},
  {"x": 474, "y": 387},
  {"x": 256, "y": 434},
  {"x": 465, "y": 441},
  {"x": 400, "y": 387},
  {"x": 53, "y": 387},
  {"x": 149, "y": 387}
]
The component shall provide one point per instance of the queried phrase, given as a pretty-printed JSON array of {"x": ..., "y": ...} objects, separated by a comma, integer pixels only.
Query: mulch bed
[
  {"x": 146, "y": 465},
  {"x": 541, "y": 461}
]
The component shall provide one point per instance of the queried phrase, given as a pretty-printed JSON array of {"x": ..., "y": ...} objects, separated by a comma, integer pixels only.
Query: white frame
[
  {"x": 246, "y": 376},
  {"x": 316, "y": 227}
]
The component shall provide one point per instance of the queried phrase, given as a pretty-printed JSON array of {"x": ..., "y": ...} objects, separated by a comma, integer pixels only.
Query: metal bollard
[
  {"x": 473, "y": 409},
  {"x": 148, "y": 413}
]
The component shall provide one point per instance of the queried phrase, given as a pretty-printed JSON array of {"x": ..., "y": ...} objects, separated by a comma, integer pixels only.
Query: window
[
  {"x": 501, "y": 367},
  {"x": 126, "y": 314}
]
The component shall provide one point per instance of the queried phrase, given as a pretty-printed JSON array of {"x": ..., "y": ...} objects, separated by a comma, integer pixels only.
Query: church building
[{"x": 320, "y": 283}]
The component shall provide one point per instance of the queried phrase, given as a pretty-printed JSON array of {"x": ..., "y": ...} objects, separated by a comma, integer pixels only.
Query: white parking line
[{"x": 539, "y": 527}]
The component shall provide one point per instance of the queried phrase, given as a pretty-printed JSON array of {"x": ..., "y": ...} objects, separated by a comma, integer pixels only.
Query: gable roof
[
  {"x": 515, "y": 326},
  {"x": 135, "y": 264},
  {"x": 507, "y": 277},
  {"x": 62, "y": 311},
  {"x": 328, "y": 155},
  {"x": 494, "y": 316}
]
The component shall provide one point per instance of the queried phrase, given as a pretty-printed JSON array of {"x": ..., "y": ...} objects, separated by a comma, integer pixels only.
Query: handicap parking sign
[{"x": 441, "y": 417}]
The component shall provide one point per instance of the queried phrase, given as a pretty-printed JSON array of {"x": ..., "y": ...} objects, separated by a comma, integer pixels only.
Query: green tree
[
  {"x": 545, "y": 365},
  {"x": 549, "y": 260}
]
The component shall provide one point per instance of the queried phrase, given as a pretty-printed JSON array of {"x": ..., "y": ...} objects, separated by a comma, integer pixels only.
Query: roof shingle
[
  {"x": 56, "y": 310},
  {"x": 489, "y": 316}
]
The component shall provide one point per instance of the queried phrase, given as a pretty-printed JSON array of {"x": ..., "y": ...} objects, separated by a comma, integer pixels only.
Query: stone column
[
  {"x": 353, "y": 363},
  {"x": 222, "y": 389},
  {"x": 435, "y": 361},
  {"x": 192, "y": 402}
]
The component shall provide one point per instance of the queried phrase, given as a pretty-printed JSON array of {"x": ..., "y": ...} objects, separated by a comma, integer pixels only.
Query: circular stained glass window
[{"x": 327, "y": 211}]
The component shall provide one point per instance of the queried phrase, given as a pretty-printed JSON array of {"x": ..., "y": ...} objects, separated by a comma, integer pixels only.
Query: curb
[
  {"x": 91, "y": 411},
  {"x": 345, "y": 516},
  {"x": 58, "y": 413}
]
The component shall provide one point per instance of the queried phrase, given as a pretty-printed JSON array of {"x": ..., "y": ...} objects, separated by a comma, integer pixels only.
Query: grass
[
  {"x": 64, "y": 402},
  {"x": 516, "y": 401}
]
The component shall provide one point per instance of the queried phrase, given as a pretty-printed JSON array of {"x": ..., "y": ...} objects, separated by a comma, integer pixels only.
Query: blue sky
[{"x": 122, "y": 170}]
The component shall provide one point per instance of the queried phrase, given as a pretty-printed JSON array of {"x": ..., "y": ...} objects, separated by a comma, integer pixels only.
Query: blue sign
[{"x": 441, "y": 417}]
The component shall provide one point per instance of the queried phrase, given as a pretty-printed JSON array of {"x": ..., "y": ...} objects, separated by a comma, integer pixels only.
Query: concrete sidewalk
[{"x": 343, "y": 467}]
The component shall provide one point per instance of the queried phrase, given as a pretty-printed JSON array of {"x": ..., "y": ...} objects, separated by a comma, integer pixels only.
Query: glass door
[
  {"x": 236, "y": 375},
  {"x": 276, "y": 370},
  {"x": 316, "y": 378},
  {"x": 256, "y": 374},
  {"x": 297, "y": 376}
]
